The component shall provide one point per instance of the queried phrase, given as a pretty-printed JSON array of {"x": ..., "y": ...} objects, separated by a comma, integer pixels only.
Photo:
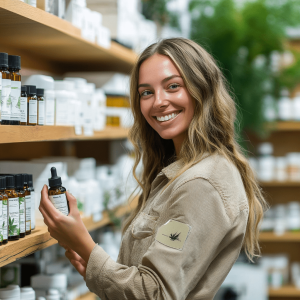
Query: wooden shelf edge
[
  {"x": 279, "y": 183},
  {"x": 283, "y": 126},
  {"x": 286, "y": 237},
  {"x": 20, "y": 134},
  {"x": 40, "y": 237},
  {"x": 87, "y": 296},
  {"x": 286, "y": 291}
]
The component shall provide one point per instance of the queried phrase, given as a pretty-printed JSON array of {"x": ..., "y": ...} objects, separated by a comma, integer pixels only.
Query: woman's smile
[{"x": 167, "y": 118}]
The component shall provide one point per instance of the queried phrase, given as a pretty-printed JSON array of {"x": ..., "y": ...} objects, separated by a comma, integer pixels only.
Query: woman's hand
[
  {"x": 68, "y": 230},
  {"x": 79, "y": 264}
]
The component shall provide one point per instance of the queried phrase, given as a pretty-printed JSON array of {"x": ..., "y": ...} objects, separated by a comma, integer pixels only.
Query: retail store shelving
[
  {"x": 280, "y": 184},
  {"x": 40, "y": 237},
  {"x": 284, "y": 126},
  {"x": 288, "y": 291},
  {"x": 19, "y": 134},
  {"x": 46, "y": 42},
  {"x": 286, "y": 237},
  {"x": 87, "y": 296}
]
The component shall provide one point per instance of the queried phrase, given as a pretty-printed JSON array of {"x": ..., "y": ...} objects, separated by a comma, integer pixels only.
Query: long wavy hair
[{"x": 212, "y": 129}]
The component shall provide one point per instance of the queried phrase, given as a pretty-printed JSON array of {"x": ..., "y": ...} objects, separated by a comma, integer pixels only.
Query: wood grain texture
[
  {"x": 40, "y": 238},
  {"x": 286, "y": 292},
  {"x": 49, "y": 43},
  {"x": 287, "y": 237},
  {"x": 279, "y": 184},
  {"x": 19, "y": 134}
]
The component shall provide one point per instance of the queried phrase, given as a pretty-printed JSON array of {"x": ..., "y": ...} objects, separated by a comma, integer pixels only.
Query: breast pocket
[{"x": 143, "y": 226}]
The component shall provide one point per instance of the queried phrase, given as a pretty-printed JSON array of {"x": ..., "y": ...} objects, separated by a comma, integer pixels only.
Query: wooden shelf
[
  {"x": 284, "y": 126},
  {"x": 286, "y": 291},
  {"x": 48, "y": 43},
  {"x": 40, "y": 237},
  {"x": 286, "y": 237},
  {"x": 18, "y": 134},
  {"x": 280, "y": 183},
  {"x": 87, "y": 296}
]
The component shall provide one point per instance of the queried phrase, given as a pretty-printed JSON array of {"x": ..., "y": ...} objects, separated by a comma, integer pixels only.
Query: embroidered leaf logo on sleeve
[{"x": 173, "y": 234}]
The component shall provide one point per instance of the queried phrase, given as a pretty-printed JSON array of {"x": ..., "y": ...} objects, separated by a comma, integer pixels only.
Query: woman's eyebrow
[{"x": 163, "y": 81}]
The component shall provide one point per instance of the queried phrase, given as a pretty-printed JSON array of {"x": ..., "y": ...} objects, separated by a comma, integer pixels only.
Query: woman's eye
[
  {"x": 145, "y": 93},
  {"x": 173, "y": 86}
]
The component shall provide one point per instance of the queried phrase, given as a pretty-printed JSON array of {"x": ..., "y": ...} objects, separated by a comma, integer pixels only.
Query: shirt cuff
[{"x": 94, "y": 277}]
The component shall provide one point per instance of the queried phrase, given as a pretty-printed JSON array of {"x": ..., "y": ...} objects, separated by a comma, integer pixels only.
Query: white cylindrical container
[
  {"x": 281, "y": 169},
  {"x": 285, "y": 109},
  {"x": 293, "y": 166},
  {"x": 10, "y": 293},
  {"x": 62, "y": 98},
  {"x": 296, "y": 107},
  {"x": 73, "y": 102},
  {"x": 27, "y": 293},
  {"x": 53, "y": 295},
  {"x": 100, "y": 110}
]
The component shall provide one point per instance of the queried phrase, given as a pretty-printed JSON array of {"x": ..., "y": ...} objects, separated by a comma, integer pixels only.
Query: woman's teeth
[{"x": 167, "y": 118}]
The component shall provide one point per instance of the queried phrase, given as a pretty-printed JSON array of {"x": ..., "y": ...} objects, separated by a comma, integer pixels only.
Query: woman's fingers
[
  {"x": 47, "y": 205},
  {"x": 72, "y": 203},
  {"x": 72, "y": 255},
  {"x": 79, "y": 267}
]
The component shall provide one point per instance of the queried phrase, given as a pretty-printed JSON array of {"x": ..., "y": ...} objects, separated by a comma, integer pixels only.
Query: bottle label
[
  {"x": 15, "y": 96},
  {"x": 1, "y": 222},
  {"x": 61, "y": 112},
  {"x": 41, "y": 112},
  {"x": 32, "y": 209},
  {"x": 6, "y": 101},
  {"x": 60, "y": 203},
  {"x": 28, "y": 212},
  {"x": 22, "y": 214},
  {"x": 50, "y": 108},
  {"x": 32, "y": 111},
  {"x": 23, "y": 109},
  {"x": 5, "y": 217},
  {"x": 13, "y": 218}
]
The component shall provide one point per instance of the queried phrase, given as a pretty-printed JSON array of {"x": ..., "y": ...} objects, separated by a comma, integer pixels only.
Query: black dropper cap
[
  {"x": 24, "y": 89},
  {"x": 3, "y": 60},
  {"x": 2, "y": 183},
  {"x": 19, "y": 178},
  {"x": 54, "y": 180},
  {"x": 40, "y": 92},
  {"x": 10, "y": 182},
  {"x": 31, "y": 90},
  {"x": 30, "y": 180},
  {"x": 25, "y": 176},
  {"x": 14, "y": 62}
]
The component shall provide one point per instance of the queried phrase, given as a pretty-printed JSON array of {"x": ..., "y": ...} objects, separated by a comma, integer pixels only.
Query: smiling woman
[{"x": 200, "y": 203}]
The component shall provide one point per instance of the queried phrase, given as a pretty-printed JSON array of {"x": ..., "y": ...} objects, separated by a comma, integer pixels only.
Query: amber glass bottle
[
  {"x": 13, "y": 209},
  {"x": 14, "y": 66},
  {"x": 31, "y": 105},
  {"x": 27, "y": 204},
  {"x": 4, "y": 205},
  {"x": 41, "y": 106},
  {"x": 19, "y": 178},
  {"x": 57, "y": 193},
  {"x": 24, "y": 111},
  {"x": 5, "y": 93}
]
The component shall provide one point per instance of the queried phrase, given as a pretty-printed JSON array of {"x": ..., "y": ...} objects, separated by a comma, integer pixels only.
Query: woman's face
[{"x": 164, "y": 99}]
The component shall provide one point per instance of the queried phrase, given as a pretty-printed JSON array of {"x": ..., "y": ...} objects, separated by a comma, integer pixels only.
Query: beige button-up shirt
[{"x": 209, "y": 201}]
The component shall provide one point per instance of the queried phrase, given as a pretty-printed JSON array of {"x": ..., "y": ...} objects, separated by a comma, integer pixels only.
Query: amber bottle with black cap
[
  {"x": 5, "y": 109},
  {"x": 31, "y": 105},
  {"x": 4, "y": 202},
  {"x": 13, "y": 209},
  {"x": 27, "y": 204},
  {"x": 19, "y": 178},
  {"x": 23, "y": 105}
]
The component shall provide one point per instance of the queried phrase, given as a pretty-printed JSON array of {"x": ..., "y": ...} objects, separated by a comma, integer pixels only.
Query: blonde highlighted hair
[{"x": 211, "y": 129}]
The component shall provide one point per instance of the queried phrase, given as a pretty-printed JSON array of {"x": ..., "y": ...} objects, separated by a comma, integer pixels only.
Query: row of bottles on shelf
[
  {"x": 285, "y": 109},
  {"x": 282, "y": 218},
  {"x": 96, "y": 188},
  {"x": 69, "y": 102},
  {"x": 270, "y": 168},
  {"x": 16, "y": 206},
  {"x": 48, "y": 275}
]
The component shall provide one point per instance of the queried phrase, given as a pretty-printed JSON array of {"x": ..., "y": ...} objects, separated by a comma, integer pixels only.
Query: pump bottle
[
  {"x": 4, "y": 205},
  {"x": 57, "y": 193}
]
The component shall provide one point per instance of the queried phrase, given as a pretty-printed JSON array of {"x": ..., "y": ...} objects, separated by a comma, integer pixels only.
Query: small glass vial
[
  {"x": 4, "y": 205},
  {"x": 57, "y": 193},
  {"x": 32, "y": 194},
  {"x": 31, "y": 105},
  {"x": 5, "y": 90},
  {"x": 41, "y": 106},
  {"x": 14, "y": 66},
  {"x": 23, "y": 105},
  {"x": 21, "y": 194},
  {"x": 27, "y": 204},
  {"x": 13, "y": 209}
]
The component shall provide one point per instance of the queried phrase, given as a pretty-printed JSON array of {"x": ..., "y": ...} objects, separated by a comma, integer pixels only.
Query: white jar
[
  {"x": 296, "y": 107},
  {"x": 27, "y": 293},
  {"x": 53, "y": 295},
  {"x": 281, "y": 169},
  {"x": 70, "y": 87},
  {"x": 285, "y": 109},
  {"x": 62, "y": 105},
  {"x": 10, "y": 293},
  {"x": 293, "y": 166}
]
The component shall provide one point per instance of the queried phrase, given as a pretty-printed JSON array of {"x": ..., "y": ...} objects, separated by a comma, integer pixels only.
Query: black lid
[
  {"x": 54, "y": 180},
  {"x": 24, "y": 88},
  {"x": 19, "y": 178},
  {"x": 40, "y": 92},
  {"x": 31, "y": 89},
  {"x": 10, "y": 182},
  {"x": 14, "y": 62},
  {"x": 2, "y": 183},
  {"x": 3, "y": 60},
  {"x": 25, "y": 178},
  {"x": 30, "y": 180}
]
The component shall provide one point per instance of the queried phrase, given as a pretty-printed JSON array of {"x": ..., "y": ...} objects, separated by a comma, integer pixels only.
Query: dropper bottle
[
  {"x": 4, "y": 210},
  {"x": 57, "y": 193},
  {"x": 27, "y": 204},
  {"x": 6, "y": 87},
  {"x": 14, "y": 66},
  {"x": 13, "y": 209},
  {"x": 21, "y": 194}
]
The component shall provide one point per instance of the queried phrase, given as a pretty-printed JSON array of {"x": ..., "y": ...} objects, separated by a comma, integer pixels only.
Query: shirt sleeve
[{"x": 165, "y": 272}]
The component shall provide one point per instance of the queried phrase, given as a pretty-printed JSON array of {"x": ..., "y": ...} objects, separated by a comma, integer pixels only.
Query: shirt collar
[{"x": 172, "y": 169}]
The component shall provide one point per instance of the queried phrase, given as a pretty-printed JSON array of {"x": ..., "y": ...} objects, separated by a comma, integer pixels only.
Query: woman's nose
[{"x": 160, "y": 99}]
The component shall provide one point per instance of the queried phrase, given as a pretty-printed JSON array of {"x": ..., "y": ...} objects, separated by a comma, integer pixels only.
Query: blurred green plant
[{"x": 242, "y": 36}]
